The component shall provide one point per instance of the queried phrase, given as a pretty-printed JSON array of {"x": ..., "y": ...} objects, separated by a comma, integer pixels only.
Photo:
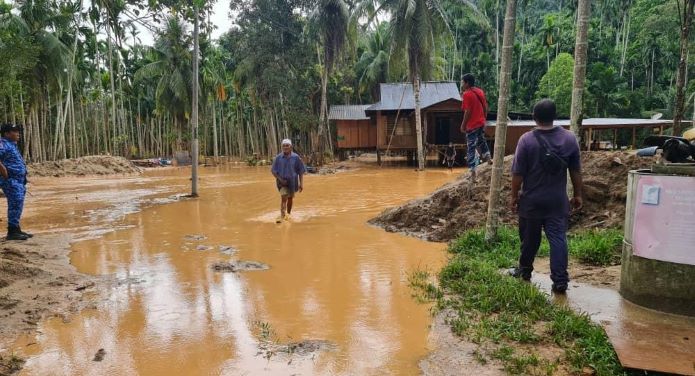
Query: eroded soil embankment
[
  {"x": 460, "y": 206},
  {"x": 89, "y": 165},
  {"x": 36, "y": 281}
]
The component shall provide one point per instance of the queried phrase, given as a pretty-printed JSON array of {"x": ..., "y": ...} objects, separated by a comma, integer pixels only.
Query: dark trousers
[{"x": 556, "y": 232}]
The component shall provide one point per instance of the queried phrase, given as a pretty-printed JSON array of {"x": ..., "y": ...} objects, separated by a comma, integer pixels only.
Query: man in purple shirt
[
  {"x": 539, "y": 192},
  {"x": 289, "y": 171}
]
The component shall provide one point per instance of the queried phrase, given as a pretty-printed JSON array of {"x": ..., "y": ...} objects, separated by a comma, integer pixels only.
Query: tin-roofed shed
[{"x": 355, "y": 129}]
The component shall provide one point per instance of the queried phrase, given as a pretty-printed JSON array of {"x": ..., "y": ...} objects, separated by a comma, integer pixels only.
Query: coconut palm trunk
[
  {"x": 323, "y": 136},
  {"x": 495, "y": 203},
  {"x": 581, "y": 50},
  {"x": 418, "y": 123},
  {"x": 686, "y": 12}
]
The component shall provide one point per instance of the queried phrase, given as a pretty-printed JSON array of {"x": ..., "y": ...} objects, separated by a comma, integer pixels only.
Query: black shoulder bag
[{"x": 552, "y": 163}]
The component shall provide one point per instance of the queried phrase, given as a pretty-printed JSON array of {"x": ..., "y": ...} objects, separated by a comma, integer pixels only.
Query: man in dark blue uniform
[{"x": 13, "y": 179}]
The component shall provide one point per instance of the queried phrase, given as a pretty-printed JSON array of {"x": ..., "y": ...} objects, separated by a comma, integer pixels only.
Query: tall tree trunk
[
  {"x": 113, "y": 90},
  {"x": 495, "y": 204},
  {"x": 418, "y": 124},
  {"x": 194, "y": 111},
  {"x": 686, "y": 22},
  {"x": 323, "y": 134},
  {"x": 497, "y": 43},
  {"x": 215, "y": 147},
  {"x": 626, "y": 39},
  {"x": 581, "y": 50}
]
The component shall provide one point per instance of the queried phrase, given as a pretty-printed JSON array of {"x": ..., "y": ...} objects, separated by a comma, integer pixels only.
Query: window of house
[{"x": 405, "y": 126}]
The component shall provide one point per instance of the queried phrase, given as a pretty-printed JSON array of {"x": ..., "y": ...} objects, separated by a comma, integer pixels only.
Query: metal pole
[{"x": 194, "y": 111}]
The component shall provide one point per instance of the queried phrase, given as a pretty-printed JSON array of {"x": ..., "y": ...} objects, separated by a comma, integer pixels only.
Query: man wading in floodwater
[
  {"x": 13, "y": 180},
  {"x": 289, "y": 171},
  {"x": 539, "y": 192}
]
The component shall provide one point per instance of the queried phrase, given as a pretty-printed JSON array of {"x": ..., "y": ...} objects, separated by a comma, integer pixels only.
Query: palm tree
[
  {"x": 35, "y": 19},
  {"x": 548, "y": 31},
  {"x": 213, "y": 75},
  {"x": 413, "y": 24},
  {"x": 581, "y": 50},
  {"x": 170, "y": 67},
  {"x": 494, "y": 204},
  {"x": 372, "y": 67},
  {"x": 332, "y": 18}
]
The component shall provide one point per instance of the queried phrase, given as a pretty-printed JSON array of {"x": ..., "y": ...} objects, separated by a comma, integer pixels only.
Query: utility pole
[{"x": 194, "y": 111}]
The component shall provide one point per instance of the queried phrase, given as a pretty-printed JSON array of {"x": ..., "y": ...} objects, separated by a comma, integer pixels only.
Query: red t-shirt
[{"x": 474, "y": 100}]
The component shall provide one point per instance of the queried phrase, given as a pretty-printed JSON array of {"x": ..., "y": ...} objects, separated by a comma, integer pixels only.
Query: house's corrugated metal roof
[
  {"x": 400, "y": 95},
  {"x": 343, "y": 112}
]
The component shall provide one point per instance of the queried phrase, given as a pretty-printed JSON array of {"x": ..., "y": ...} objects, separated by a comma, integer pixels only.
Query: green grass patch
[
  {"x": 496, "y": 309},
  {"x": 594, "y": 247},
  {"x": 597, "y": 247}
]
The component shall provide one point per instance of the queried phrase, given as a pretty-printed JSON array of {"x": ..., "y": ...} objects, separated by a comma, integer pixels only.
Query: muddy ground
[
  {"x": 461, "y": 205},
  {"x": 38, "y": 281},
  {"x": 89, "y": 165},
  {"x": 454, "y": 355}
]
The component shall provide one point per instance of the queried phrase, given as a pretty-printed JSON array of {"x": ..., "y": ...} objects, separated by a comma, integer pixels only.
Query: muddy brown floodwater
[{"x": 332, "y": 279}]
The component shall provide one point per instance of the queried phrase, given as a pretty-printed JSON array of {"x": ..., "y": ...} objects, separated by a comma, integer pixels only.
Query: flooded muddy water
[{"x": 332, "y": 278}]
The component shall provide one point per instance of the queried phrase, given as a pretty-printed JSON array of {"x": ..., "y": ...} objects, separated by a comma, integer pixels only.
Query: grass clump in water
[{"x": 496, "y": 309}]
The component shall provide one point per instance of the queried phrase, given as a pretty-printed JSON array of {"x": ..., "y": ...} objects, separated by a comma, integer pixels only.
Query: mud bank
[
  {"x": 453, "y": 354},
  {"x": 89, "y": 165},
  {"x": 38, "y": 281},
  {"x": 461, "y": 205}
]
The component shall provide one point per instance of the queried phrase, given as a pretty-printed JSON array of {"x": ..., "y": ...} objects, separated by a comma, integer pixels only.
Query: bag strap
[
  {"x": 541, "y": 141},
  {"x": 544, "y": 144},
  {"x": 482, "y": 104}
]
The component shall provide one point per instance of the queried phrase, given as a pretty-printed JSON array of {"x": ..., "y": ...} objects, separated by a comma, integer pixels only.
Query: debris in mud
[
  {"x": 460, "y": 205},
  {"x": 306, "y": 347},
  {"x": 331, "y": 168},
  {"x": 301, "y": 348},
  {"x": 167, "y": 200},
  {"x": 7, "y": 303},
  {"x": 227, "y": 250},
  {"x": 203, "y": 248},
  {"x": 84, "y": 286},
  {"x": 89, "y": 165},
  {"x": 99, "y": 356},
  {"x": 9, "y": 364},
  {"x": 195, "y": 237},
  {"x": 238, "y": 266}
]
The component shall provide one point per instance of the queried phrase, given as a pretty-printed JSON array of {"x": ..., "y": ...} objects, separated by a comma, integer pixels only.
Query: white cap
[{"x": 287, "y": 141}]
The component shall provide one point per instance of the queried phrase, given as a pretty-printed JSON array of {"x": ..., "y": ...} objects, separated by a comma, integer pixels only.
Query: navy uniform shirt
[{"x": 11, "y": 158}]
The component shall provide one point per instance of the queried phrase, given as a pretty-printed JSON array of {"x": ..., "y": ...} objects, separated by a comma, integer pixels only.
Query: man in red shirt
[{"x": 474, "y": 107}]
